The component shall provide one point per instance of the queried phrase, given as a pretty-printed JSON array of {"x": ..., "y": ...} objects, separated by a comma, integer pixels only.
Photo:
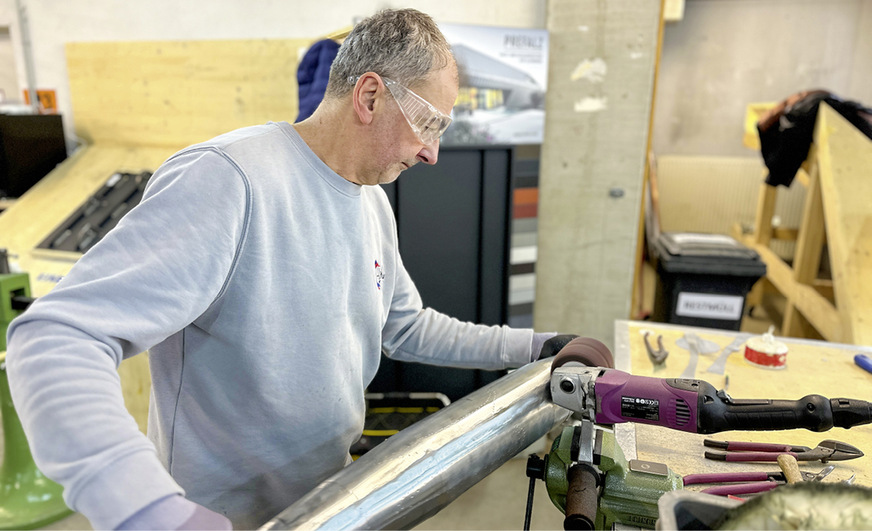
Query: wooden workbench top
[{"x": 813, "y": 367}]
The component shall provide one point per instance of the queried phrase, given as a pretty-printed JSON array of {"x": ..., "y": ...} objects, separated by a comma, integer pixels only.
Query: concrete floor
[{"x": 499, "y": 501}]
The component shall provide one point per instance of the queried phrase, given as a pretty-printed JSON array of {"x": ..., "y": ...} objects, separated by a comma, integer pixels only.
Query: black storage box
[
  {"x": 703, "y": 279},
  {"x": 31, "y": 145}
]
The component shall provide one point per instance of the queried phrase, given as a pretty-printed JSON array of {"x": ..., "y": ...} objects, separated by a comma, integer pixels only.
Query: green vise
[
  {"x": 629, "y": 490},
  {"x": 28, "y": 499},
  {"x": 11, "y": 286}
]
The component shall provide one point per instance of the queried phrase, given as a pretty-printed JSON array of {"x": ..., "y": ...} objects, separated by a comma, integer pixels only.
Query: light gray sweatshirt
[{"x": 264, "y": 286}]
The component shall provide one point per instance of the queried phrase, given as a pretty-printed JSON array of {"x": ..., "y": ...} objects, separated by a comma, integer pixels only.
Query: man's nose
[{"x": 429, "y": 153}]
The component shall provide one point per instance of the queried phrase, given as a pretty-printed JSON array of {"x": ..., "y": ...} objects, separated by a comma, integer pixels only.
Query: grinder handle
[{"x": 582, "y": 497}]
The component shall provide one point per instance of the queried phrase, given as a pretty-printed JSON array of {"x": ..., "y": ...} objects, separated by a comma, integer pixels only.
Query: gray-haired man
[{"x": 261, "y": 272}]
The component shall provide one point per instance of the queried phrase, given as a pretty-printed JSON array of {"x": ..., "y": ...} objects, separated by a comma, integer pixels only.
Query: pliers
[
  {"x": 658, "y": 356},
  {"x": 828, "y": 450},
  {"x": 758, "y": 481}
]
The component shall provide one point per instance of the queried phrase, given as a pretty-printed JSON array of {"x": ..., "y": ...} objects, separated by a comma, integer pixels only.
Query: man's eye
[{"x": 433, "y": 124}]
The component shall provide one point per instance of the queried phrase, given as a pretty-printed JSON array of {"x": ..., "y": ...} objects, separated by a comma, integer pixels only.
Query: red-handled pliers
[
  {"x": 758, "y": 481},
  {"x": 828, "y": 450}
]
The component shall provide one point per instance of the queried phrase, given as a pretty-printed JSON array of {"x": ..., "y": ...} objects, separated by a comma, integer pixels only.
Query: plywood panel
[
  {"x": 845, "y": 159},
  {"x": 177, "y": 93}
]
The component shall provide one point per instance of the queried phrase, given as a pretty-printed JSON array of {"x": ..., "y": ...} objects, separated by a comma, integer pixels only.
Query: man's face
[{"x": 397, "y": 147}]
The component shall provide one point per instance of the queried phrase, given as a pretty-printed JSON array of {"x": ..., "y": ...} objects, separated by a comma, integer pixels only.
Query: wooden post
[{"x": 807, "y": 256}]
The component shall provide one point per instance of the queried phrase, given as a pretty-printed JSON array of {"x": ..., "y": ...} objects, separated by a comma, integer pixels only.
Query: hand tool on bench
[
  {"x": 790, "y": 468},
  {"x": 864, "y": 362},
  {"x": 696, "y": 346},
  {"x": 720, "y": 363},
  {"x": 748, "y": 482},
  {"x": 658, "y": 356},
  {"x": 738, "y": 451}
]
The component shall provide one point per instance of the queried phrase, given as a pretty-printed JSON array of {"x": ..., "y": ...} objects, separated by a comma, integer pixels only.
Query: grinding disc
[{"x": 585, "y": 350}]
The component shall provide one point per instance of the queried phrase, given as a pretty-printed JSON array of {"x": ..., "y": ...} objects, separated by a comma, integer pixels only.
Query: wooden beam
[
  {"x": 807, "y": 258},
  {"x": 825, "y": 288},
  {"x": 647, "y": 182},
  {"x": 815, "y": 307},
  {"x": 783, "y": 233},
  {"x": 765, "y": 210},
  {"x": 845, "y": 156}
]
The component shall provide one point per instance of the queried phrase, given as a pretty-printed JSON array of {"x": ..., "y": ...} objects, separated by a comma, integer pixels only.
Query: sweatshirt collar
[{"x": 324, "y": 171}]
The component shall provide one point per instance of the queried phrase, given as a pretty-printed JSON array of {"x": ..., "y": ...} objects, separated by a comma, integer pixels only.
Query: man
[{"x": 247, "y": 272}]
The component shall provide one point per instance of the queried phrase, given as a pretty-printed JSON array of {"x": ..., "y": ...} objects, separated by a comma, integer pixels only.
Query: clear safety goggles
[{"x": 428, "y": 122}]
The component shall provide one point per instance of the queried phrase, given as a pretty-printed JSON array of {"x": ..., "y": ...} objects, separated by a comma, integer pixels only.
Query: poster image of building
[{"x": 503, "y": 78}]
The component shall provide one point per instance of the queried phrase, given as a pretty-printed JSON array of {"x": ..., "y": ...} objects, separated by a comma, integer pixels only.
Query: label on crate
[{"x": 709, "y": 306}]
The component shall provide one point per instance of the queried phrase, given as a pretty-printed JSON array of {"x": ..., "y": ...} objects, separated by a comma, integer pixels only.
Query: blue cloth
[{"x": 312, "y": 76}]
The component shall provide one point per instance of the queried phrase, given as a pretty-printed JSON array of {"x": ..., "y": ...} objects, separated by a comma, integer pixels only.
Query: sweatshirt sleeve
[
  {"x": 164, "y": 263},
  {"x": 423, "y": 335}
]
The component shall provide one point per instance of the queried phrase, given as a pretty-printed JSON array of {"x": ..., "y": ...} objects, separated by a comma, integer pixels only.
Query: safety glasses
[{"x": 428, "y": 122}]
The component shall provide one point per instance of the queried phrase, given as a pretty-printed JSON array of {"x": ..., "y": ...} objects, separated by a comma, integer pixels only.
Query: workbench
[{"x": 813, "y": 367}]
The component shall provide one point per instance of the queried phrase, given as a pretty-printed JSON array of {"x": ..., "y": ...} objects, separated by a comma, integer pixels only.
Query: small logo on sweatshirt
[{"x": 379, "y": 275}]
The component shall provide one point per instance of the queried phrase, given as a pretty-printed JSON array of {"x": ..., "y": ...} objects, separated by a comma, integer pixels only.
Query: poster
[{"x": 503, "y": 78}]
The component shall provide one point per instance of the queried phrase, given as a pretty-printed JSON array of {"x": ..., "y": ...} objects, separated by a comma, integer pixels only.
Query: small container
[{"x": 766, "y": 352}]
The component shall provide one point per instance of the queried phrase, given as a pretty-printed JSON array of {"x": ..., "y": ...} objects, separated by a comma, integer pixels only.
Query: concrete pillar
[{"x": 600, "y": 83}]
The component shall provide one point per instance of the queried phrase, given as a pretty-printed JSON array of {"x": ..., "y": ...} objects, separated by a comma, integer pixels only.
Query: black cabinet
[
  {"x": 30, "y": 147},
  {"x": 454, "y": 222}
]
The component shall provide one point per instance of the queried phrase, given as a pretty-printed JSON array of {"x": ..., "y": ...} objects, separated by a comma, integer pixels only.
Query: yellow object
[
  {"x": 177, "y": 93},
  {"x": 753, "y": 113}
]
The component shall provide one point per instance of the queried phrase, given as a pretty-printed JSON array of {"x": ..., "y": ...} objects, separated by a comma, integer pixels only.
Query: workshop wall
[
  {"x": 722, "y": 55},
  {"x": 718, "y": 59},
  {"x": 726, "y": 54},
  {"x": 53, "y": 24}
]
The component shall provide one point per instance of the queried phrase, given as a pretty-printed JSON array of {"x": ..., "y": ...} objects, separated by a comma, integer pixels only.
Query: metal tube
[{"x": 417, "y": 472}]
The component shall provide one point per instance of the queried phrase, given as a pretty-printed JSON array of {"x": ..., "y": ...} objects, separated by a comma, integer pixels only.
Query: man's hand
[
  {"x": 587, "y": 351},
  {"x": 175, "y": 512},
  {"x": 553, "y": 344}
]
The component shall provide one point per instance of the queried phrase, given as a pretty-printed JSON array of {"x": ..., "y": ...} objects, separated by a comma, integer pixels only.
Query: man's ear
[{"x": 365, "y": 95}]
